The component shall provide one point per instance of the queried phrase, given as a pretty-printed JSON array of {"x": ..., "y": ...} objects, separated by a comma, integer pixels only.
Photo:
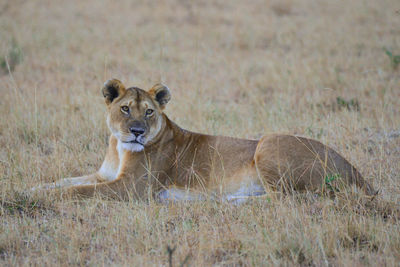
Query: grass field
[{"x": 322, "y": 69}]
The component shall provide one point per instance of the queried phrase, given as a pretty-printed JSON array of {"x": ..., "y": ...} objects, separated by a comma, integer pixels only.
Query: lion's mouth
[{"x": 133, "y": 142}]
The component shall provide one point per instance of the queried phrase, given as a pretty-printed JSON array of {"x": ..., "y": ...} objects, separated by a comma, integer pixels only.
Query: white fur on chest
[{"x": 108, "y": 172}]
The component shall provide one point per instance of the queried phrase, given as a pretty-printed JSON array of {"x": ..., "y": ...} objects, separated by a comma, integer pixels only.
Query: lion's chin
[{"x": 133, "y": 147}]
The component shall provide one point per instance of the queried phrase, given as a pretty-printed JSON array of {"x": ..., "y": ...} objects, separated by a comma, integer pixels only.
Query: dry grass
[{"x": 235, "y": 68}]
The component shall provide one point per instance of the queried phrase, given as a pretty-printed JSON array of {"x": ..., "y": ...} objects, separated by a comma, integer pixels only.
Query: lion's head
[{"x": 134, "y": 115}]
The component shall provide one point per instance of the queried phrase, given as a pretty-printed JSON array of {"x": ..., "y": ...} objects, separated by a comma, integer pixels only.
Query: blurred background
[{"x": 233, "y": 61}]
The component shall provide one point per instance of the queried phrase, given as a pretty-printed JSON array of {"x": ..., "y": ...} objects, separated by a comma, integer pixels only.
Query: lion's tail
[{"x": 359, "y": 180}]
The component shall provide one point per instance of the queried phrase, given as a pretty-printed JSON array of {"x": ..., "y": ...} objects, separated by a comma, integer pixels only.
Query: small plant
[
  {"x": 394, "y": 59},
  {"x": 350, "y": 105},
  {"x": 170, "y": 251},
  {"x": 329, "y": 179},
  {"x": 12, "y": 59}
]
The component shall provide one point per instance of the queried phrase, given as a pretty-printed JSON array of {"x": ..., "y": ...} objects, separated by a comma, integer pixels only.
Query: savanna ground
[{"x": 322, "y": 69}]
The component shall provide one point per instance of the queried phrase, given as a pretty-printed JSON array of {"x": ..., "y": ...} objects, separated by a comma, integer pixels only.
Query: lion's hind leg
[{"x": 304, "y": 164}]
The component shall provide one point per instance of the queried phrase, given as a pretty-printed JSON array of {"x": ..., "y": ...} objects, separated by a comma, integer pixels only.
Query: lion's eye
[
  {"x": 125, "y": 109},
  {"x": 149, "y": 112}
]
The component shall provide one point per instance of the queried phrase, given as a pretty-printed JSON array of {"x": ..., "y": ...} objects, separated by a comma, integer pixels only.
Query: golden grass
[{"x": 235, "y": 68}]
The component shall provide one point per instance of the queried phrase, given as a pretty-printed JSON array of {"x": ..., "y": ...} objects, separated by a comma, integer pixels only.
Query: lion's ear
[
  {"x": 161, "y": 94},
  {"x": 112, "y": 89}
]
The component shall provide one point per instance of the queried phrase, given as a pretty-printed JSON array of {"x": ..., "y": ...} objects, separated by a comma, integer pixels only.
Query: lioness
[{"x": 148, "y": 154}]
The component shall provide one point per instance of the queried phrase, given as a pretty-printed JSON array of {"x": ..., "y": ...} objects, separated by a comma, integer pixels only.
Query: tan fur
[{"x": 174, "y": 159}]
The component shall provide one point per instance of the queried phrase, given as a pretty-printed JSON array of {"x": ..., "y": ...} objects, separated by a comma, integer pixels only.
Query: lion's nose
[{"x": 136, "y": 131}]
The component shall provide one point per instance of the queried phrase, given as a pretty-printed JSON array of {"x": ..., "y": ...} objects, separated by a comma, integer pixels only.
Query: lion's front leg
[
  {"x": 75, "y": 181},
  {"x": 123, "y": 188}
]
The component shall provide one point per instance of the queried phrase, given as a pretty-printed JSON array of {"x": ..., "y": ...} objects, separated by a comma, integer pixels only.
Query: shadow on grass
[{"x": 25, "y": 204}]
